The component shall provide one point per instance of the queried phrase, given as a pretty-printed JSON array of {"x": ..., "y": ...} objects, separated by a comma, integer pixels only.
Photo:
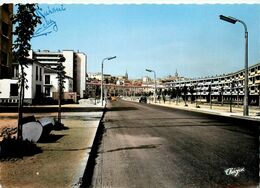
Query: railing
[{"x": 7, "y": 101}]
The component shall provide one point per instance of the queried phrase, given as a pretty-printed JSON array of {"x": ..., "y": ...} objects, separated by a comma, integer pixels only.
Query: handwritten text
[
  {"x": 234, "y": 171},
  {"x": 48, "y": 25}
]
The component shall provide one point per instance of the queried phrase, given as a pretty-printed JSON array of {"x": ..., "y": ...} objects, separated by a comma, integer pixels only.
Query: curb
[
  {"x": 246, "y": 118},
  {"x": 86, "y": 179}
]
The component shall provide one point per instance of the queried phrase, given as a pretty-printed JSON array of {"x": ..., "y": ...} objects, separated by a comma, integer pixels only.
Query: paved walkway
[
  {"x": 237, "y": 111},
  {"x": 64, "y": 156}
]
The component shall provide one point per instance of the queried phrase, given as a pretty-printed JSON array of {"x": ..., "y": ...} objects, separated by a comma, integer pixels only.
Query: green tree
[
  {"x": 192, "y": 90},
  {"x": 209, "y": 94},
  {"x": 61, "y": 77},
  {"x": 258, "y": 95},
  {"x": 185, "y": 92},
  {"x": 221, "y": 93},
  {"x": 25, "y": 21}
]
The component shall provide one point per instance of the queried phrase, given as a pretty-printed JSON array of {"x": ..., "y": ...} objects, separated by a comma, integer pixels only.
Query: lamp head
[
  {"x": 228, "y": 19},
  {"x": 109, "y": 58}
]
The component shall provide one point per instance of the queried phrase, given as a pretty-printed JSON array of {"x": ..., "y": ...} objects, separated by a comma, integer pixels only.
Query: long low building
[{"x": 228, "y": 85}]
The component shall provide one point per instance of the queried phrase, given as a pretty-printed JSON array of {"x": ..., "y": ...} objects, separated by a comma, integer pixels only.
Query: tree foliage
[
  {"x": 25, "y": 21},
  {"x": 61, "y": 81}
]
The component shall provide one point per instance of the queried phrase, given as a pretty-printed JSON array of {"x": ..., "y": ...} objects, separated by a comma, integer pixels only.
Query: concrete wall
[
  {"x": 5, "y": 87},
  {"x": 30, "y": 93},
  {"x": 69, "y": 55},
  {"x": 81, "y": 73},
  {"x": 54, "y": 83},
  {"x": 68, "y": 85}
]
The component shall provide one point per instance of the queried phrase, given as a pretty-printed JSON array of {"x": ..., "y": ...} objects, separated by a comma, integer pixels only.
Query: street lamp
[
  {"x": 233, "y": 21},
  {"x": 154, "y": 95},
  {"x": 102, "y": 66}
]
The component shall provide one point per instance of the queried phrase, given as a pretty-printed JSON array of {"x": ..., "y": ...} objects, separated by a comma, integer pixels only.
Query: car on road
[
  {"x": 143, "y": 99},
  {"x": 114, "y": 98}
]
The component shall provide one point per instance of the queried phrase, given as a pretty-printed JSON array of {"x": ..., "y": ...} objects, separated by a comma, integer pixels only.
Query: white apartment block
[
  {"x": 232, "y": 84},
  {"x": 75, "y": 66},
  {"x": 34, "y": 75}
]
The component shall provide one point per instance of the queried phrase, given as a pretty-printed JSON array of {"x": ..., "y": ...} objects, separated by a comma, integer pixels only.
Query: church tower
[
  {"x": 126, "y": 75},
  {"x": 176, "y": 74}
]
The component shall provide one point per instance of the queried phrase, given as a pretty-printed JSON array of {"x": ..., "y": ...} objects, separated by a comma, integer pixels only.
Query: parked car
[
  {"x": 143, "y": 99},
  {"x": 114, "y": 98}
]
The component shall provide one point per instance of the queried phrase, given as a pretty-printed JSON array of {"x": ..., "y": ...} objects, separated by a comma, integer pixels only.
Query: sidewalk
[
  {"x": 64, "y": 156},
  {"x": 237, "y": 112}
]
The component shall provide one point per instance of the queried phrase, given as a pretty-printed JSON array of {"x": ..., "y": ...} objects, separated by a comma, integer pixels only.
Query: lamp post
[
  {"x": 154, "y": 95},
  {"x": 196, "y": 86},
  {"x": 233, "y": 21},
  {"x": 102, "y": 66}
]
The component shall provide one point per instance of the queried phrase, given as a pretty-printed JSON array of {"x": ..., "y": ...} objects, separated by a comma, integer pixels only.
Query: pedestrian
[{"x": 164, "y": 99}]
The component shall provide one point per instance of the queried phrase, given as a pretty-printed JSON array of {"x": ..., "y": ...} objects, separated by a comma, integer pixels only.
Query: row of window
[
  {"x": 14, "y": 90},
  {"x": 46, "y": 55},
  {"x": 48, "y": 60}
]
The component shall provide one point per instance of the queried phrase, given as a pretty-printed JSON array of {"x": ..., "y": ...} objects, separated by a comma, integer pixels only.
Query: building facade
[
  {"x": 6, "y": 27},
  {"x": 9, "y": 88},
  {"x": 229, "y": 85},
  {"x": 75, "y": 66},
  {"x": 51, "y": 83}
]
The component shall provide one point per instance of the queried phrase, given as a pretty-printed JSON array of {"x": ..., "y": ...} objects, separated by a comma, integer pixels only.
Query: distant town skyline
[{"x": 189, "y": 38}]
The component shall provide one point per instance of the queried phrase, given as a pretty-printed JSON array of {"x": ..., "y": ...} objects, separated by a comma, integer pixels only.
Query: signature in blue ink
[
  {"x": 53, "y": 10},
  {"x": 48, "y": 25}
]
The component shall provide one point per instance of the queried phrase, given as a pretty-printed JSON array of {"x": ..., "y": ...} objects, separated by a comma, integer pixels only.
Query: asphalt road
[{"x": 152, "y": 146}]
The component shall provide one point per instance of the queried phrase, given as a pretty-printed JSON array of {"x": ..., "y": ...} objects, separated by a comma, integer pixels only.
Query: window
[
  {"x": 5, "y": 7},
  {"x": 15, "y": 71},
  {"x": 47, "y": 79},
  {"x": 4, "y": 72},
  {"x": 40, "y": 74},
  {"x": 4, "y": 44},
  {"x": 37, "y": 73},
  {"x": 47, "y": 92},
  {"x": 5, "y": 29},
  {"x": 13, "y": 89},
  {"x": 4, "y": 58},
  {"x": 38, "y": 91}
]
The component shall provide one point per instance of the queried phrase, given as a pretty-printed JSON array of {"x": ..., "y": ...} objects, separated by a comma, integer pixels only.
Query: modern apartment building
[
  {"x": 6, "y": 27},
  {"x": 231, "y": 84},
  {"x": 75, "y": 66}
]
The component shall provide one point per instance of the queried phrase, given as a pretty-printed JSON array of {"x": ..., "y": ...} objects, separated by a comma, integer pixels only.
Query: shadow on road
[{"x": 151, "y": 146}]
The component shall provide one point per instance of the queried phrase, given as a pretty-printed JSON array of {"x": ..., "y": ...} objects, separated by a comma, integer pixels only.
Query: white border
[{"x": 136, "y": 1}]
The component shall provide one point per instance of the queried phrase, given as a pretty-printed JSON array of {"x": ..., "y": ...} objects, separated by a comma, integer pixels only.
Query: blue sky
[{"x": 189, "y": 38}]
